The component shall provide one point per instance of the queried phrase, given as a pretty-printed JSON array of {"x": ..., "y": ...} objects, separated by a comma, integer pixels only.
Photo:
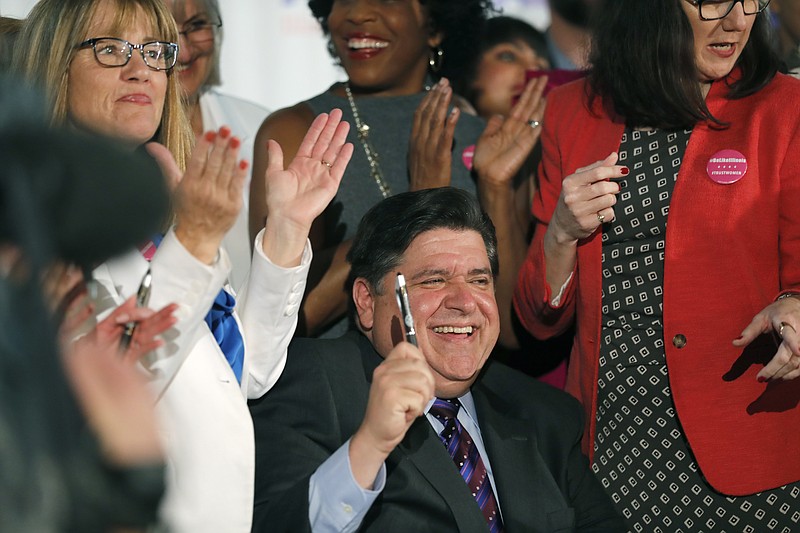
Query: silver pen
[
  {"x": 401, "y": 291},
  {"x": 142, "y": 297}
]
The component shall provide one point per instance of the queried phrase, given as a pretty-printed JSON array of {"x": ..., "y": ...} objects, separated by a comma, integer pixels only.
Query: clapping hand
[
  {"x": 506, "y": 142},
  {"x": 208, "y": 195},
  {"x": 431, "y": 142}
]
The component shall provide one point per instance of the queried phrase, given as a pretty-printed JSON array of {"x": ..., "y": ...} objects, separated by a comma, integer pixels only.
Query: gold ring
[
  {"x": 783, "y": 325},
  {"x": 533, "y": 123},
  {"x": 329, "y": 165},
  {"x": 600, "y": 218}
]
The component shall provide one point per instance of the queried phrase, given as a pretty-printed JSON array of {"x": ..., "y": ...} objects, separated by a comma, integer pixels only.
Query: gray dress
[
  {"x": 390, "y": 120},
  {"x": 642, "y": 457}
]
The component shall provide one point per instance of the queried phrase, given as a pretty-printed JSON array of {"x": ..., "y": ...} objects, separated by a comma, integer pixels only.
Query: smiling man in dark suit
[{"x": 370, "y": 433}]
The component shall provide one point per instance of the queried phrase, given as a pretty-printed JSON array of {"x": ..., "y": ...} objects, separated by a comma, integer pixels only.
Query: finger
[
  {"x": 336, "y": 143},
  {"x": 275, "y": 156},
  {"x": 529, "y": 99},
  {"x": 312, "y": 135},
  {"x": 756, "y": 327},
  {"x": 216, "y": 157},
  {"x": 781, "y": 364},
  {"x": 199, "y": 158},
  {"x": 610, "y": 160},
  {"x": 230, "y": 164},
  {"x": 341, "y": 162},
  {"x": 327, "y": 134}
]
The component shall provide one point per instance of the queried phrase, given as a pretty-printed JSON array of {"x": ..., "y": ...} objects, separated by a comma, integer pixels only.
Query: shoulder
[
  {"x": 286, "y": 123},
  {"x": 531, "y": 399}
]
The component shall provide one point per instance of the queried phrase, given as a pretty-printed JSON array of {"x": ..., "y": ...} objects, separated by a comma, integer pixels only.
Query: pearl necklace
[{"x": 363, "y": 136}]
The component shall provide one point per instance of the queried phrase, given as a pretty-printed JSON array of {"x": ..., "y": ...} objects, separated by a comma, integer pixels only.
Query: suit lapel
[
  {"x": 526, "y": 490},
  {"x": 425, "y": 451}
]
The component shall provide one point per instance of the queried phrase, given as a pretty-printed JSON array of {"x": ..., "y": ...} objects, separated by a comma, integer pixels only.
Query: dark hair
[
  {"x": 498, "y": 30},
  {"x": 389, "y": 227},
  {"x": 643, "y": 64},
  {"x": 460, "y": 21}
]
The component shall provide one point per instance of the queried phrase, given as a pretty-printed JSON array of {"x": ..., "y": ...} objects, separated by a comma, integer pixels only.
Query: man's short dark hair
[{"x": 387, "y": 230}]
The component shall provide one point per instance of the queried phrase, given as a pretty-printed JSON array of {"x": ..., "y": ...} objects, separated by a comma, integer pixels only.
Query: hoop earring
[{"x": 436, "y": 59}]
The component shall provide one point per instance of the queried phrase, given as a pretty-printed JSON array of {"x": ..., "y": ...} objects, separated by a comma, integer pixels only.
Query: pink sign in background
[{"x": 726, "y": 167}]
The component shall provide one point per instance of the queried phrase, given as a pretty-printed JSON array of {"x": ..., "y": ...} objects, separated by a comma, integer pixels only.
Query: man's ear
[{"x": 365, "y": 304}]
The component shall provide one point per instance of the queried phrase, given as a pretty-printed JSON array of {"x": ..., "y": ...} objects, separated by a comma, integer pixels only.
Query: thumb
[
  {"x": 275, "y": 154},
  {"x": 166, "y": 163}
]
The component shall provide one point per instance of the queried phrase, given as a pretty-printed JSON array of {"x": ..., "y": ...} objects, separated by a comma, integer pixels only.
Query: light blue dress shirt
[{"x": 338, "y": 504}]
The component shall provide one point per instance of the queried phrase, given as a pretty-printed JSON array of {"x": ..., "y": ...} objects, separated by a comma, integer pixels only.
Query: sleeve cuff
[{"x": 336, "y": 502}]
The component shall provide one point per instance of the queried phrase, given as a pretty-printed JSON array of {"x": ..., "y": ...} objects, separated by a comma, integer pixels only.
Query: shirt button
[
  {"x": 679, "y": 341},
  {"x": 347, "y": 508}
]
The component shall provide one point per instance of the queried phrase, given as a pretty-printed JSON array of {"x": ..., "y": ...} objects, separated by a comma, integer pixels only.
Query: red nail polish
[
  {"x": 235, "y": 142},
  {"x": 210, "y": 136},
  {"x": 762, "y": 379},
  {"x": 243, "y": 164},
  {"x": 224, "y": 132},
  {"x": 624, "y": 171}
]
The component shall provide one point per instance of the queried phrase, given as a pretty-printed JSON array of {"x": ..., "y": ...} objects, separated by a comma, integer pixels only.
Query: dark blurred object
[
  {"x": 91, "y": 197},
  {"x": 63, "y": 196},
  {"x": 786, "y": 14}
]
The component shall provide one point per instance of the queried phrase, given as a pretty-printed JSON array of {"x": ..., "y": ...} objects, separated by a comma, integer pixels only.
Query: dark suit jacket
[{"x": 531, "y": 432}]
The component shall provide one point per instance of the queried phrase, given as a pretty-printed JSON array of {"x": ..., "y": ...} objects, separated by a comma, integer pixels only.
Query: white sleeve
[{"x": 268, "y": 307}]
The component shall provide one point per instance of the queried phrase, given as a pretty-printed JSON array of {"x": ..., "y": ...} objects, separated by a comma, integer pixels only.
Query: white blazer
[{"x": 208, "y": 433}]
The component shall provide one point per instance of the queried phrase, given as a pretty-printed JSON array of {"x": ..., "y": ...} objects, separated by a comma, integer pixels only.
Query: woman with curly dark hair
[{"x": 391, "y": 52}]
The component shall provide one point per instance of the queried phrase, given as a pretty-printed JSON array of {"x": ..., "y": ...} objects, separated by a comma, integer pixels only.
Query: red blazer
[{"x": 730, "y": 251}]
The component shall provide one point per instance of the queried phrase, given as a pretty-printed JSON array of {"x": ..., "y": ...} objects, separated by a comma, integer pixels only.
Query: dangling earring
[{"x": 436, "y": 59}]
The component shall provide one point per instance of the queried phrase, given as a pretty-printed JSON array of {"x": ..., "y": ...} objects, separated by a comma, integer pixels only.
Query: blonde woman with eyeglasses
[{"x": 108, "y": 66}]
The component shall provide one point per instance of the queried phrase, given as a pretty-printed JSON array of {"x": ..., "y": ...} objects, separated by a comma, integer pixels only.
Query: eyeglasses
[
  {"x": 113, "y": 52},
  {"x": 719, "y": 9},
  {"x": 200, "y": 29}
]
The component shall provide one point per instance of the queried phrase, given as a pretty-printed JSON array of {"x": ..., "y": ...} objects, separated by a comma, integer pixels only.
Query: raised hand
[
  {"x": 430, "y": 145},
  {"x": 401, "y": 388},
  {"x": 781, "y": 317},
  {"x": 300, "y": 192},
  {"x": 208, "y": 196},
  {"x": 506, "y": 142}
]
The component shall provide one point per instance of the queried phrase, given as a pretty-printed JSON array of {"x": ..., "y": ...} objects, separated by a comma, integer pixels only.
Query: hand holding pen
[
  {"x": 142, "y": 297},
  {"x": 401, "y": 291}
]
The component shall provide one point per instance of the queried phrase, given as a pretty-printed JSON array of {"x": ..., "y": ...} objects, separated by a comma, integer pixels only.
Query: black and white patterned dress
[{"x": 641, "y": 455}]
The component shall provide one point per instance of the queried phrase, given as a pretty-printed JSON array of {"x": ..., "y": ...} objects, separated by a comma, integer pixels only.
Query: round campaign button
[
  {"x": 726, "y": 166},
  {"x": 467, "y": 155}
]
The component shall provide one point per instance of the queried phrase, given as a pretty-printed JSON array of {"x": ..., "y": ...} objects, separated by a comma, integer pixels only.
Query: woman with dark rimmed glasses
[
  {"x": 109, "y": 68},
  {"x": 668, "y": 231}
]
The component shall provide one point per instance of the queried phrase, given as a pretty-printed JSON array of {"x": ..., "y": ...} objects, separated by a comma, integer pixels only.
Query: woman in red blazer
[{"x": 687, "y": 344}]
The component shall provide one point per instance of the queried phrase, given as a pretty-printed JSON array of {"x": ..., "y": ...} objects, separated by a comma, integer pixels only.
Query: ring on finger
[
  {"x": 329, "y": 165},
  {"x": 600, "y": 217},
  {"x": 533, "y": 123},
  {"x": 780, "y": 329}
]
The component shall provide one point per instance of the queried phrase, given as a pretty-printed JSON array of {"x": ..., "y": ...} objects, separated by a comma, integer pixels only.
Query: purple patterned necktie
[{"x": 465, "y": 455}]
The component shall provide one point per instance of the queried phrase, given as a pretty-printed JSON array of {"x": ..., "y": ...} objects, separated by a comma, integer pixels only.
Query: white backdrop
[{"x": 273, "y": 51}]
